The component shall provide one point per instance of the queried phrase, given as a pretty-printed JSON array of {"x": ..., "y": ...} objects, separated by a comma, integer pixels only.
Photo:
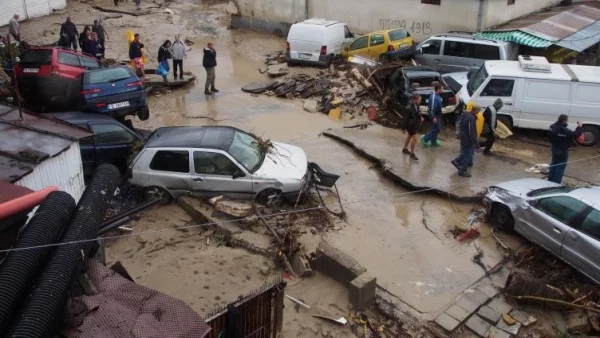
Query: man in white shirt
[{"x": 14, "y": 28}]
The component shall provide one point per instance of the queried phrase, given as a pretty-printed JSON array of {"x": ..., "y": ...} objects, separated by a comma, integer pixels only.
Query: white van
[
  {"x": 535, "y": 92},
  {"x": 316, "y": 41}
]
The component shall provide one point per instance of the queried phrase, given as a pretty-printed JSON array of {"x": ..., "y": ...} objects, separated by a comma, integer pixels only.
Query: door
[
  {"x": 69, "y": 65},
  {"x": 547, "y": 220},
  {"x": 377, "y": 46},
  {"x": 360, "y": 46},
  {"x": 169, "y": 169},
  {"x": 112, "y": 144},
  {"x": 581, "y": 245},
  {"x": 543, "y": 101},
  {"x": 428, "y": 53},
  {"x": 216, "y": 174},
  {"x": 457, "y": 57},
  {"x": 503, "y": 88}
]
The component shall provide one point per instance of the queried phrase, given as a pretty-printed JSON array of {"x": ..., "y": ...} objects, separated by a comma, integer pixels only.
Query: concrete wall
[
  {"x": 28, "y": 9},
  {"x": 274, "y": 16},
  {"x": 497, "y": 12}
]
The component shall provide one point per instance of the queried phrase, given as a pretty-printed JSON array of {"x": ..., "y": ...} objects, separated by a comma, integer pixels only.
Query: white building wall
[
  {"x": 65, "y": 171},
  {"x": 28, "y": 9},
  {"x": 288, "y": 11},
  {"x": 497, "y": 12}
]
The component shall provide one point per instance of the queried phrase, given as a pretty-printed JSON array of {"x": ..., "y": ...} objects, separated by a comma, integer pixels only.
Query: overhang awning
[
  {"x": 583, "y": 39},
  {"x": 517, "y": 37}
]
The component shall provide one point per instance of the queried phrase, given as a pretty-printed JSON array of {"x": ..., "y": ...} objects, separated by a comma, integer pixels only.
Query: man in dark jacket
[
  {"x": 68, "y": 32},
  {"x": 413, "y": 121},
  {"x": 490, "y": 122},
  {"x": 468, "y": 142},
  {"x": 98, "y": 28},
  {"x": 561, "y": 138},
  {"x": 435, "y": 113},
  {"x": 209, "y": 62}
]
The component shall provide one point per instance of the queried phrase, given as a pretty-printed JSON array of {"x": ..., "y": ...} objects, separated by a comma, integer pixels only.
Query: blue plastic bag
[{"x": 163, "y": 68}]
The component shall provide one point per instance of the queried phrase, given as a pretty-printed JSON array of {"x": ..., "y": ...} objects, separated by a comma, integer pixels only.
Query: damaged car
[
  {"x": 563, "y": 220},
  {"x": 211, "y": 161}
]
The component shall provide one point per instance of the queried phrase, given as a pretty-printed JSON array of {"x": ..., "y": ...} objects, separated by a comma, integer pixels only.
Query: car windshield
[
  {"x": 549, "y": 191},
  {"x": 246, "y": 150},
  {"x": 108, "y": 75},
  {"x": 476, "y": 80}
]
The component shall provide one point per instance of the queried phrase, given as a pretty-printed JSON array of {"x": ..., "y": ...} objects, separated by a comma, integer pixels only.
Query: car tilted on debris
[
  {"x": 214, "y": 160},
  {"x": 563, "y": 220}
]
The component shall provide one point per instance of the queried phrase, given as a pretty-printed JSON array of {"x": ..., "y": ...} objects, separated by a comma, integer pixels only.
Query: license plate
[
  {"x": 304, "y": 55},
  {"x": 118, "y": 105},
  {"x": 31, "y": 70}
]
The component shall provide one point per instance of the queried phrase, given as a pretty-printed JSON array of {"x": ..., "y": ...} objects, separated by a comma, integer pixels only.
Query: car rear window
[
  {"x": 398, "y": 34},
  {"x": 107, "y": 75},
  {"x": 37, "y": 56}
]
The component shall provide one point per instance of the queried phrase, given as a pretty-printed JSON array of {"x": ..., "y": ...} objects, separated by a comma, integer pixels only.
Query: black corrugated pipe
[
  {"x": 22, "y": 265},
  {"x": 45, "y": 306}
]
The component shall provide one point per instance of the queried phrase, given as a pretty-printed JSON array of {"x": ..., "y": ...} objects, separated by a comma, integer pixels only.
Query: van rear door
[{"x": 306, "y": 41}]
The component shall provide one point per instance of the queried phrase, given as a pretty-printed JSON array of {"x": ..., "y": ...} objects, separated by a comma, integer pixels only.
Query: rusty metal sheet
[
  {"x": 10, "y": 115},
  {"x": 564, "y": 24},
  {"x": 9, "y": 191}
]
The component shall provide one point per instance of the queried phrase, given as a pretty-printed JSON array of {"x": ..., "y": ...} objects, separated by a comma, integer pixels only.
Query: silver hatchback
[{"x": 563, "y": 220}]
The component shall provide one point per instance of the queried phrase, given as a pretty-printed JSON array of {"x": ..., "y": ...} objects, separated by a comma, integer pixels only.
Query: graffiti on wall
[{"x": 414, "y": 27}]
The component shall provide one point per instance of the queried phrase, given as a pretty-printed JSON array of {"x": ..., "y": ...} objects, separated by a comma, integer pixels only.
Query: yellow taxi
[{"x": 381, "y": 45}]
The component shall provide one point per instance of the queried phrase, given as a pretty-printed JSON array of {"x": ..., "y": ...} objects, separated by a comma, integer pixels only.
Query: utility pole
[{"x": 14, "y": 75}]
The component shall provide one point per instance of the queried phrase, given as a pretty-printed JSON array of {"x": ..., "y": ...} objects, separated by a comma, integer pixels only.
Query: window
[
  {"x": 245, "y": 149},
  {"x": 398, "y": 34},
  {"x": 562, "y": 208},
  {"x": 347, "y": 32},
  {"x": 510, "y": 2},
  {"x": 107, "y": 134},
  {"x": 90, "y": 63},
  {"x": 591, "y": 224},
  {"x": 171, "y": 160},
  {"x": 431, "y": 2},
  {"x": 499, "y": 88},
  {"x": 36, "y": 57},
  {"x": 458, "y": 49},
  {"x": 107, "y": 75},
  {"x": 477, "y": 80},
  {"x": 68, "y": 59},
  {"x": 213, "y": 164},
  {"x": 377, "y": 39},
  {"x": 360, "y": 43},
  {"x": 486, "y": 52},
  {"x": 432, "y": 46}
]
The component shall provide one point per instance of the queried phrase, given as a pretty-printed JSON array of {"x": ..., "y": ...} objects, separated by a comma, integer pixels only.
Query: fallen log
[
  {"x": 521, "y": 284},
  {"x": 361, "y": 78}
]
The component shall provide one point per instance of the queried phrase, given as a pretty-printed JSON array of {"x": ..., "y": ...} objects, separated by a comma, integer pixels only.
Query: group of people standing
[
  {"x": 175, "y": 51},
  {"x": 91, "y": 41}
]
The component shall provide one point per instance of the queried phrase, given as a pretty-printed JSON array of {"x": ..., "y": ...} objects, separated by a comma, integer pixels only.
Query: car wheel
[
  {"x": 506, "y": 121},
  {"x": 270, "y": 197},
  {"x": 501, "y": 216},
  {"x": 144, "y": 113},
  {"x": 591, "y": 134},
  {"x": 151, "y": 193}
]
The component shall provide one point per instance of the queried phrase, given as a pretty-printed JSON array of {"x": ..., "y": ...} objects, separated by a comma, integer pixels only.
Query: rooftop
[
  {"x": 210, "y": 137},
  {"x": 558, "y": 71}
]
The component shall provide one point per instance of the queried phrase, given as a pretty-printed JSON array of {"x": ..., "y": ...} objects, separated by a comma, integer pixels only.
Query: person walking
[
  {"x": 469, "y": 144},
  {"x": 490, "y": 122},
  {"x": 164, "y": 55},
  {"x": 14, "y": 28},
  {"x": 178, "y": 53},
  {"x": 68, "y": 32},
  {"x": 137, "y": 4},
  {"x": 561, "y": 139},
  {"x": 209, "y": 62},
  {"x": 98, "y": 28},
  {"x": 83, "y": 39},
  {"x": 435, "y": 113},
  {"x": 413, "y": 122},
  {"x": 135, "y": 55}
]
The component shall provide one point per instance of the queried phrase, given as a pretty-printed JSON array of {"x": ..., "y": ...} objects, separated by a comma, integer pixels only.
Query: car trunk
[
  {"x": 106, "y": 97},
  {"x": 425, "y": 93}
]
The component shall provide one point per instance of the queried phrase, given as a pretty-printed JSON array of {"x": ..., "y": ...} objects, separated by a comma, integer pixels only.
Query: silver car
[
  {"x": 562, "y": 220},
  {"x": 211, "y": 161}
]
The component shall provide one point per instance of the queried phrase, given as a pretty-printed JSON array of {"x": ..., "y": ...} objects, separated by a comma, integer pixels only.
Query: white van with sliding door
[
  {"x": 536, "y": 92},
  {"x": 316, "y": 41}
]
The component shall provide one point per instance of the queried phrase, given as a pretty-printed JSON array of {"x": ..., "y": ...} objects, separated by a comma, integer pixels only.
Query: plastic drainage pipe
[
  {"x": 24, "y": 202},
  {"x": 21, "y": 266},
  {"x": 45, "y": 306}
]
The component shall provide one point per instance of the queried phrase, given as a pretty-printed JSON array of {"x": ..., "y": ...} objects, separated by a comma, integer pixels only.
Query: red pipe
[{"x": 24, "y": 202}]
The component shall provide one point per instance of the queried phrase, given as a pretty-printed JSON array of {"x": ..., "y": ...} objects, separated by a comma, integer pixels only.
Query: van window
[
  {"x": 486, "y": 52},
  {"x": 362, "y": 42},
  {"x": 377, "y": 39},
  {"x": 554, "y": 91},
  {"x": 398, "y": 34},
  {"x": 587, "y": 93},
  {"x": 459, "y": 49},
  {"x": 213, "y": 164},
  {"x": 499, "y": 88},
  {"x": 171, "y": 160},
  {"x": 432, "y": 46},
  {"x": 68, "y": 59}
]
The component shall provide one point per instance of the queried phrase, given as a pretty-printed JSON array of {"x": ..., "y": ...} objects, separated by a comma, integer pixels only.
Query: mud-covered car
[{"x": 563, "y": 220}]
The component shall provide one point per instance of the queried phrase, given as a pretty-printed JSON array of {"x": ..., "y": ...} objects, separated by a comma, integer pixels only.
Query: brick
[
  {"x": 446, "y": 322},
  {"x": 489, "y": 314},
  {"x": 512, "y": 329},
  {"x": 523, "y": 317},
  {"x": 467, "y": 304},
  {"x": 489, "y": 290},
  {"x": 477, "y": 296},
  {"x": 500, "y": 305},
  {"x": 362, "y": 291},
  {"x": 336, "y": 264},
  {"x": 497, "y": 333},
  {"x": 301, "y": 265},
  {"x": 457, "y": 313},
  {"x": 478, "y": 325}
]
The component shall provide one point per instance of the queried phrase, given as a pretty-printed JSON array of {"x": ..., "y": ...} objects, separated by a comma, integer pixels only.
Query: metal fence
[{"x": 258, "y": 315}]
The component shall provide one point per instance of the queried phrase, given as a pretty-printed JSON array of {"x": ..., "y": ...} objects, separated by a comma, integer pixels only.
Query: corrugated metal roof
[
  {"x": 517, "y": 37},
  {"x": 28, "y": 142},
  {"x": 560, "y": 26},
  {"x": 583, "y": 39}
]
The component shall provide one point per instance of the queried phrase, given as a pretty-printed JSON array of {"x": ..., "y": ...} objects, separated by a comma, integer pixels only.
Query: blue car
[{"x": 116, "y": 92}]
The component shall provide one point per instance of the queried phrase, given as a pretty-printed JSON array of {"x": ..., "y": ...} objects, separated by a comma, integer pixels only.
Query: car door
[
  {"x": 112, "y": 144},
  {"x": 69, "y": 65},
  {"x": 428, "y": 53},
  {"x": 456, "y": 56},
  {"x": 169, "y": 169},
  {"x": 582, "y": 245},
  {"x": 503, "y": 88},
  {"x": 215, "y": 173},
  {"x": 360, "y": 46},
  {"x": 377, "y": 46},
  {"x": 547, "y": 220}
]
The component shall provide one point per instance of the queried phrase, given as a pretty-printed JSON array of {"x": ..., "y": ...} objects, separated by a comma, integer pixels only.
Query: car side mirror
[{"x": 238, "y": 173}]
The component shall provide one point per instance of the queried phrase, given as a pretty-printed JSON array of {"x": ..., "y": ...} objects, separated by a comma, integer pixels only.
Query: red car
[{"x": 50, "y": 77}]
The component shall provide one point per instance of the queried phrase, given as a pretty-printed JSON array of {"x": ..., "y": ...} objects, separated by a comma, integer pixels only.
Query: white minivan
[
  {"x": 536, "y": 92},
  {"x": 316, "y": 41}
]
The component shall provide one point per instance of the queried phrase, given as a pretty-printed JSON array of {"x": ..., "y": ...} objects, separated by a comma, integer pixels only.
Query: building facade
[
  {"x": 28, "y": 9},
  {"x": 421, "y": 18}
]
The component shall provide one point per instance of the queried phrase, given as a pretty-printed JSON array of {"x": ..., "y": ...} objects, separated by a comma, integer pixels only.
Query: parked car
[
  {"x": 316, "y": 41},
  {"x": 51, "y": 76},
  {"x": 563, "y": 220},
  {"x": 213, "y": 160},
  {"x": 462, "y": 52},
  {"x": 536, "y": 92},
  {"x": 387, "y": 45},
  {"x": 116, "y": 92},
  {"x": 112, "y": 141},
  {"x": 406, "y": 81}
]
